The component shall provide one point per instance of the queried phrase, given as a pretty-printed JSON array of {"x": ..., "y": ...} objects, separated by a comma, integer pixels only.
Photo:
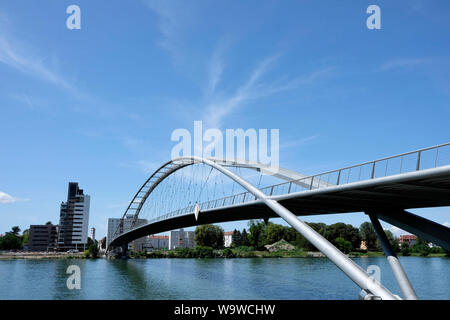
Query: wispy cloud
[
  {"x": 220, "y": 106},
  {"x": 170, "y": 25},
  {"x": 215, "y": 70},
  {"x": 298, "y": 142},
  {"x": 216, "y": 105},
  {"x": 403, "y": 63},
  {"x": 14, "y": 55},
  {"x": 6, "y": 198}
]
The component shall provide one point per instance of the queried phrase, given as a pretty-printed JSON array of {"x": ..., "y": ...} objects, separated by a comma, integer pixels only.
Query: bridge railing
[
  {"x": 407, "y": 162},
  {"x": 422, "y": 159}
]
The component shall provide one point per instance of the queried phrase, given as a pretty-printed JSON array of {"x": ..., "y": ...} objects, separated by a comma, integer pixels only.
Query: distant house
[
  {"x": 409, "y": 239},
  {"x": 228, "y": 238},
  {"x": 363, "y": 246}
]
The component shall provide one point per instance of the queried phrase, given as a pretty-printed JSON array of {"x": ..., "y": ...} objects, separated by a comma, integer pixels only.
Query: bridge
[{"x": 385, "y": 189}]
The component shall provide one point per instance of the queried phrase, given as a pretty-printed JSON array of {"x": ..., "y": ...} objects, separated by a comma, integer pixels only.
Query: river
[{"x": 268, "y": 278}]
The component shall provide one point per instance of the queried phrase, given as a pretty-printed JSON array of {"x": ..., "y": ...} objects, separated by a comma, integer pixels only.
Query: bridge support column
[
  {"x": 424, "y": 228},
  {"x": 125, "y": 251},
  {"x": 397, "y": 269}
]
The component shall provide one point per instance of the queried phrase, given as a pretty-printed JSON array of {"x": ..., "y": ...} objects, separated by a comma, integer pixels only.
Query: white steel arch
[{"x": 350, "y": 268}]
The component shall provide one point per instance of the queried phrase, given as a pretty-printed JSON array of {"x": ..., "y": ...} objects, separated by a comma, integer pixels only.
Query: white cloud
[{"x": 6, "y": 198}]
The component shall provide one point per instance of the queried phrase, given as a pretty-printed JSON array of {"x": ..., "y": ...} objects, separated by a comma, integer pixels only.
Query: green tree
[
  {"x": 245, "y": 241},
  {"x": 257, "y": 236},
  {"x": 320, "y": 228},
  {"x": 301, "y": 241},
  {"x": 368, "y": 235},
  {"x": 15, "y": 230},
  {"x": 103, "y": 243},
  {"x": 91, "y": 248},
  {"x": 237, "y": 238},
  {"x": 25, "y": 237},
  {"x": 48, "y": 223},
  {"x": 274, "y": 233},
  {"x": 346, "y": 231},
  {"x": 392, "y": 241},
  {"x": 203, "y": 252},
  {"x": 228, "y": 253},
  {"x": 405, "y": 249},
  {"x": 10, "y": 241},
  {"x": 209, "y": 235},
  {"x": 343, "y": 245},
  {"x": 290, "y": 235},
  {"x": 421, "y": 247}
]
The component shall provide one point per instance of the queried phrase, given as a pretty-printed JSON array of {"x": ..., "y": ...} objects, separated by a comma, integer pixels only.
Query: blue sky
[{"x": 98, "y": 105}]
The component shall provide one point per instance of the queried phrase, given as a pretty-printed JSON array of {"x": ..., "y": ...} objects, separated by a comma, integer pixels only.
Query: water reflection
[{"x": 313, "y": 278}]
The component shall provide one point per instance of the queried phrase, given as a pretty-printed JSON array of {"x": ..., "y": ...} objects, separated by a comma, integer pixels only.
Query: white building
[
  {"x": 157, "y": 242},
  {"x": 181, "y": 239},
  {"x": 227, "y": 239},
  {"x": 113, "y": 225},
  {"x": 93, "y": 234},
  {"x": 74, "y": 219}
]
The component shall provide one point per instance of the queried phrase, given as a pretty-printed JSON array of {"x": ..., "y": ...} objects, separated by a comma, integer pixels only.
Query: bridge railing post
[
  {"x": 418, "y": 161},
  {"x": 372, "y": 175}
]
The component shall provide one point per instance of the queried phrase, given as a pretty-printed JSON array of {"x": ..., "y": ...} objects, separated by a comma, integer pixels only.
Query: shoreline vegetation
[
  {"x": 201, "y": 252},
  {"x": 237, "y": 253},
  {"x": 263, "y": 240}
]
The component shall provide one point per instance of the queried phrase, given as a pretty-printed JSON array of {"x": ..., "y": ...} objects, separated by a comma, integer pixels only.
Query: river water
[{"x": 259, "y": 278}]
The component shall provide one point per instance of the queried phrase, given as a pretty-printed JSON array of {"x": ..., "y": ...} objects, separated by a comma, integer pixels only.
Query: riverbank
[
  {"x": 40, "y": 255},
  {"x": 237, "y": 253},
  {"x": 191, "y": 253}
]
